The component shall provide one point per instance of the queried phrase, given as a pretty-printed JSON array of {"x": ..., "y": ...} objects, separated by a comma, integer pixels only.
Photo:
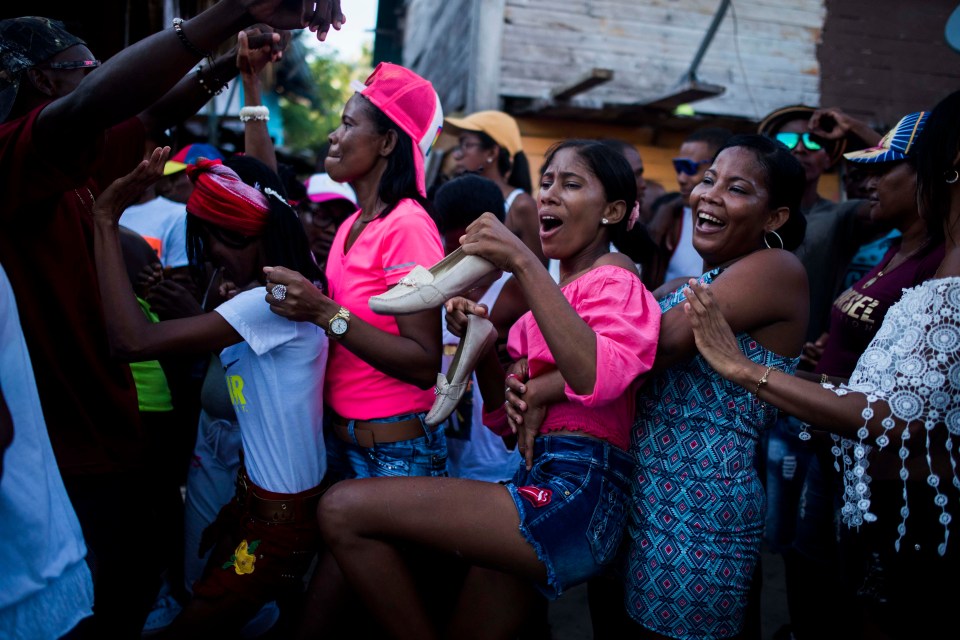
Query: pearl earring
[{"x": 604, "y": 221}]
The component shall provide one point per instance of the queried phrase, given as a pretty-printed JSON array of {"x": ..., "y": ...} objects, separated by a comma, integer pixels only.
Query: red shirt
[{"x": 46, "y": 246}]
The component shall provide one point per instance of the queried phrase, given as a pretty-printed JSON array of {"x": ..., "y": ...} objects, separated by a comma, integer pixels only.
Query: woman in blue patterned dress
[
  {"x": 697, "y": 502},
  {"x": 902, "y": 401}
]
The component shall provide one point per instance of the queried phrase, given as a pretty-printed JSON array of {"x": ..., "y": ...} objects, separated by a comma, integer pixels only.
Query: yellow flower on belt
[{"x": 242, "y": 559}]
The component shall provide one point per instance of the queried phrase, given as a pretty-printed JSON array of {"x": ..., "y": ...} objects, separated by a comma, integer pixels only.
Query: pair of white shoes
[{"x": 423, "y": 289}]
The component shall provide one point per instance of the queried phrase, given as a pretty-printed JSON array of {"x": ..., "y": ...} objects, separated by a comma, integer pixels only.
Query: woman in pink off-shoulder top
[{"x": 561, "y": 518}]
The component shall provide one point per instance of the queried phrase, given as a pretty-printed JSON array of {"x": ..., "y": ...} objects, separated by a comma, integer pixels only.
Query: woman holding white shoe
[
  {"x": 560, "y": 520},
  {"x": 382, "y": 368}
]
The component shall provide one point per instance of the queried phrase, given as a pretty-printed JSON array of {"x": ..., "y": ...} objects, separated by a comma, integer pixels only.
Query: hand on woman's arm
[
  {"x": 808, "y": 401},
  {"x": 412, "y": 357}
]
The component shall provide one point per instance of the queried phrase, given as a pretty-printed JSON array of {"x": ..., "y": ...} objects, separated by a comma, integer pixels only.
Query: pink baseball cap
[
  {"x": 323, "y": 188},
  {"x": 412, "y": 104}
]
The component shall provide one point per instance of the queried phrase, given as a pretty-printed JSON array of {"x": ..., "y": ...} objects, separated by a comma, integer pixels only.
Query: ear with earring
[{"x": 766, "y": 241}]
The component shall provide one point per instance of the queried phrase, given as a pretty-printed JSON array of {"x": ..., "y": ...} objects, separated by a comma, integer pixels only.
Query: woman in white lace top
[{"x": 902, "y": 400}]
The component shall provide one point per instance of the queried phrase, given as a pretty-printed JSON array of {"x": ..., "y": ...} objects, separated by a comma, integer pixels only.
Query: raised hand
[
  {"x": 257, "y": 46},
  {"x": 123, "y": 192},
  {"x": 488, "y": 238},
  {"x": 318, "y": 16},
  {"x": 833, "y": 124}
]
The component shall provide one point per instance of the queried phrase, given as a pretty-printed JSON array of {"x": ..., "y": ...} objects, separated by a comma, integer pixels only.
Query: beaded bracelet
[
  {"x": 762, "y": 381},
  {"x": 254, "y": 113},
  {"x": 192, "y": 48},
  {"x": 207, "y": 88}
]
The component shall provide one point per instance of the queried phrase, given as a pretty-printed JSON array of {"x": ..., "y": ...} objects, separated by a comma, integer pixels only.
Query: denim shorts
[
  {"x": 572, "y": 506},
  {"x": 424, "y": 456}
]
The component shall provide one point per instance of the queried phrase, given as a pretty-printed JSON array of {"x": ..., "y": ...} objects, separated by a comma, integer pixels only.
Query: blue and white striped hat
[{"x": 897, "y": 144}]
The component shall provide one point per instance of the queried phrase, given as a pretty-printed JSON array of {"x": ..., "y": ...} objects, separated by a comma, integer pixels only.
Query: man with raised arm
[{"x": 68, "y": 128}]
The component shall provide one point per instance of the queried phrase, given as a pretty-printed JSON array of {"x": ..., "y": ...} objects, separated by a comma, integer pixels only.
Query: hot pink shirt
[
  {"x": 626, "y": 320},
  {"x": 387, "y": 249}
]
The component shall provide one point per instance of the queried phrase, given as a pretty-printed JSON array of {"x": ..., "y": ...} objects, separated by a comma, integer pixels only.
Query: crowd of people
[{"x": 239, "y": 403}]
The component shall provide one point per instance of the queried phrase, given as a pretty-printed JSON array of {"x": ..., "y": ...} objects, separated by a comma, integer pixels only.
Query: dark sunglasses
[
  {"x": 72, "y": 64},
  {"x": 687, "y": 166},
  {"x": 791, "y": 140}
]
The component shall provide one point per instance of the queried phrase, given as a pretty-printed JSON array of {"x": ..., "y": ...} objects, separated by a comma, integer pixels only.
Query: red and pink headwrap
[
  {"x": 221, "y": 198},
  {"x": 412, "y": 104}
]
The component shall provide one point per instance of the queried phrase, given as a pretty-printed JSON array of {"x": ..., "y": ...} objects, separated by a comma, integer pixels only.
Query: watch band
[{"x": 342, "y": 314}]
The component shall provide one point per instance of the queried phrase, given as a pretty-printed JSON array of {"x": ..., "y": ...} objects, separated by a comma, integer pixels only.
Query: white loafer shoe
[
  {"x": 480, "y": 335},
  {"x": 423, "y": 289}
]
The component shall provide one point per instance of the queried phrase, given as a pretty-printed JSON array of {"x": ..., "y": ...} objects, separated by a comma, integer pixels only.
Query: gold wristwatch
[{"x": 339, "y": 323}]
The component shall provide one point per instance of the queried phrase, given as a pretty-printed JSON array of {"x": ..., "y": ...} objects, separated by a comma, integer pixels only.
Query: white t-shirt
[
  {"x": 475, "y": 451},
  {"x": 275, "y": 380},
  {"x": 163, "y": 224},
  {"x": 45, "y": 586},
  {"x": 685, "y": 262}
]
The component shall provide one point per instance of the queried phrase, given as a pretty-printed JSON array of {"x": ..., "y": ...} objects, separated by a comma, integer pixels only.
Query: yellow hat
[{"x": 496, "y": 124}]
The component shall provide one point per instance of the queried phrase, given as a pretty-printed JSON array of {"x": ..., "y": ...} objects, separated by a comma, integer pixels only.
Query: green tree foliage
[{"x": 308, "y": 120}]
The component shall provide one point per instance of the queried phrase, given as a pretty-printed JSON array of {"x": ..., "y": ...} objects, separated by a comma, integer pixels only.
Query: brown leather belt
[
  {"x": 296, "y": 509},
  {"x": 369, "y": 434}
]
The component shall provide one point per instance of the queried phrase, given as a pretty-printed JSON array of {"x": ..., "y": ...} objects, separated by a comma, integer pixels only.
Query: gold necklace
[{"x": 890, "y": 266}]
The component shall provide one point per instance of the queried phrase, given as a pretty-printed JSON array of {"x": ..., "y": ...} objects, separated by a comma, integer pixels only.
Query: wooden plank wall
[
  {"x": 436, "y": 44},
  {"x": 650, "y": 44},
  {"x": 881, "y": 59}
]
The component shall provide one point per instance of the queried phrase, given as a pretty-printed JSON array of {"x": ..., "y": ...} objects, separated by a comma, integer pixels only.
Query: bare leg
[
  {"x": 492, "y": 605},
  {"x": 361, "y": 519},
  {"x": 326, "y": 598}
]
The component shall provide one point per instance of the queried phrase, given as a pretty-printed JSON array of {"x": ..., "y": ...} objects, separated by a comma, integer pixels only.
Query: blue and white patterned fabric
[{"x": 696, "y": 500}]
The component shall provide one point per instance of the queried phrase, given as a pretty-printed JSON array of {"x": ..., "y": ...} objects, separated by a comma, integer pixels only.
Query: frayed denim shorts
[{"x": 572, "y": 506}]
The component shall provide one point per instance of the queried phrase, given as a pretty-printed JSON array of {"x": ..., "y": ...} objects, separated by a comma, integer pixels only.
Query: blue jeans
[
  {"x": 210, "y": 485},
  {"x": 424, "y": 456},
  {"x": 787, "y": 460},
  {"x": 572, "y": 506}
]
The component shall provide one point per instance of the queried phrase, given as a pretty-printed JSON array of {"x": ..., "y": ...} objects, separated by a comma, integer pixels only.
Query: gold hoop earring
[{"x": 767, "y": 242}]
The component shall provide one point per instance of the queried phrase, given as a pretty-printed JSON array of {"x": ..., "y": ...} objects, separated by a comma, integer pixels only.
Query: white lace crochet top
[{"x": 913, "y": 365}]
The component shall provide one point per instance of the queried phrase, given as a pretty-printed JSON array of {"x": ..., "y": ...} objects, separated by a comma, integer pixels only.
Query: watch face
[{"x": 338, "y": 326}]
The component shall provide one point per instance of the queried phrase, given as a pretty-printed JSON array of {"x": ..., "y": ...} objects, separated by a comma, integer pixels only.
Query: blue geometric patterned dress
[{"x": 696, "y": 501}]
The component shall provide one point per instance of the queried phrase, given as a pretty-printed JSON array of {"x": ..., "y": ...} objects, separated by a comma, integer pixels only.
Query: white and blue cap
[{"x": 898, "y": 143}]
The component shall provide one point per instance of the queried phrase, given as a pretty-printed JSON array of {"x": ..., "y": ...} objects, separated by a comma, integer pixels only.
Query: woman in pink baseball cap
[{"x": 382, "y": 368}]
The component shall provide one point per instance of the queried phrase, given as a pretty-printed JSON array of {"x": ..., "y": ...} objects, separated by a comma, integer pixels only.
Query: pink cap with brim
[
  {"x": 323, "y": 188},
  {"x": 412, "y": 104}
]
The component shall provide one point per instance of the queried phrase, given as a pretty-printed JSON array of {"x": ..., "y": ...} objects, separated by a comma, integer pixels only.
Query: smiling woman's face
[
  {"x": 354, "y": 145},
  {"x": 730, "y": 207}
]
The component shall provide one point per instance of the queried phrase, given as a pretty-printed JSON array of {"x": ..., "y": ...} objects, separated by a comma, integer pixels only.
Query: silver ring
[{"x": 279, "y": 291}]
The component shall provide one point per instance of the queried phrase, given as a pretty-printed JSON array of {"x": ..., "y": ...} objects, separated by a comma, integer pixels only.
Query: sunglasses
[
  {"x": 791, "y": 140},
  {"x": 687, "y": 166}
]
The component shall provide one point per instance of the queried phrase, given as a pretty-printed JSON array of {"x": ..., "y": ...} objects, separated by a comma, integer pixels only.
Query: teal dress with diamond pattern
[{"x": 696, "y": 500}]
